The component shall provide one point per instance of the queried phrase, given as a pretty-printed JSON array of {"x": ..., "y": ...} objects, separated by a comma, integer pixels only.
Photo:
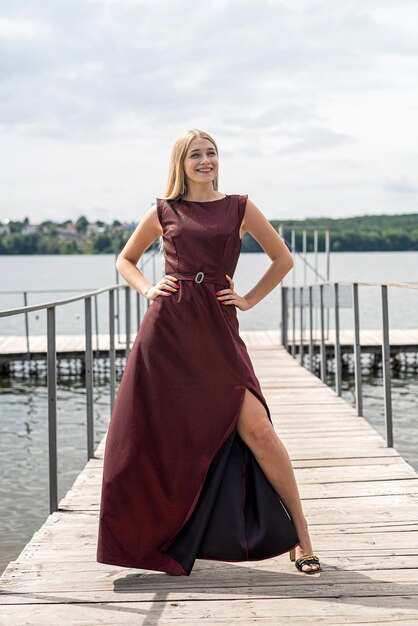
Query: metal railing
[
  {"x": 150, "y": 258},
  {"x": 51, "y": 358},
  {"x": 303, "y": 257},
  {"x": 336, "y": 295}
]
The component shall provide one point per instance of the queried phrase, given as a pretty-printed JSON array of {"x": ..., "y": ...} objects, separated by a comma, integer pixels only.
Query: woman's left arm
[{"x": 255, "y": 223}]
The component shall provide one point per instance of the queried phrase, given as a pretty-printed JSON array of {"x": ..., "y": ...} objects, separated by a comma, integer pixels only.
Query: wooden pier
[
  {"x": 360, "y": 499},
  {"x": 71, "y": 346}
]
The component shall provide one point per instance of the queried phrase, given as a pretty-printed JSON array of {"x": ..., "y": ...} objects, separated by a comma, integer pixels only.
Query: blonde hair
[{"x": 176, "y": 184}]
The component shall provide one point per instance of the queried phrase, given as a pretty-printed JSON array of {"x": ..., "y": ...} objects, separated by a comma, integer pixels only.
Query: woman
[{"x": 193, "y": 467}]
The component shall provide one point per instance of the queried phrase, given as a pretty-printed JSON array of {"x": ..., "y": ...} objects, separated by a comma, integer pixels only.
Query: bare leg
[{"x": 256, "y": 430}]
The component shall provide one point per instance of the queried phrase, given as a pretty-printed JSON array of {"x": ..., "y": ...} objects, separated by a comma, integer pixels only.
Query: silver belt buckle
[{"x": 196, "y": 279}]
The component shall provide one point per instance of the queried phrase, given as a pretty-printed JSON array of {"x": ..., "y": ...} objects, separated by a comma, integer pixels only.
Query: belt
[{"x": 201, "y": 277}]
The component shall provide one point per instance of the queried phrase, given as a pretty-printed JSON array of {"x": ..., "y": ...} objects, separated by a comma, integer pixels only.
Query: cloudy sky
[{"x": 313, "y": 104}]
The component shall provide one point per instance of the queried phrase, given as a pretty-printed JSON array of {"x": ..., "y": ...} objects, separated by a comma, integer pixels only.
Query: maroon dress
[{"x": 179, "y": 483}]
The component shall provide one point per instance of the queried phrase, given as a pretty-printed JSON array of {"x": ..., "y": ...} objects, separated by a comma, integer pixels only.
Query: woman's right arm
[{"x": 148, "y": 229}]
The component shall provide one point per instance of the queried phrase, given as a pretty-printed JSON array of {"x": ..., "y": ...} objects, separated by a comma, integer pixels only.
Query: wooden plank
[
  {"x": 164, "y": 610},
  {"x": 359, "y": 496}
]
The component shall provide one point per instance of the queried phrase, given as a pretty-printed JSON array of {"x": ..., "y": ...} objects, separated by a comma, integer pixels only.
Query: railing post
[
  {"x": 127, "y": 319},
  {"x": 327, "y": 258},
  {"x": 301, "y": 324},
  {"x": 357, "y": 357},
  {"x": 293, "y": 252},
  {"x": 386, "y": 367},
  {"x": 96, "y": 322},
  {"x": 118, "y": 304},
  {"x": 25, "y": 303},
  {"x": 285, "y": 324},
  {"x": 338, "y": 369},
  {"x": 293, "y": 322},
  {"x": 52, "y": 409},
  {"x": 321, "y": 319},
  {"x": 141, "y": 269},
  {"x": 138, "y": 310},
  {"x": 315, "y": 249},
  {"x": 154, "y": 269},
  {"x": 88, "y": 361},
  {"x": 311, "y": 348},
  {"x": 112, "y": 353}
]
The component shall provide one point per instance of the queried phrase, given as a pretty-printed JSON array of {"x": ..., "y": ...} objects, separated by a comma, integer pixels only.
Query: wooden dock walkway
[
  {"x": 73, "y": 345},
  {"x": 360, "y": 499}
]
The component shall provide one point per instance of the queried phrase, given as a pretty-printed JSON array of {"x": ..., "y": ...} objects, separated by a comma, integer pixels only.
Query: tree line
[{"x": 355, "y": 234}]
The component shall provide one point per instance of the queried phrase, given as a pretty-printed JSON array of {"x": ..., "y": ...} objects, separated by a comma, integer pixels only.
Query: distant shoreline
[{"x": 365, "y": 233}]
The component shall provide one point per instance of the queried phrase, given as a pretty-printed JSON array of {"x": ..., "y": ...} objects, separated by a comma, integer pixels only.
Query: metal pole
[
  {"x": 315, "y": 244},
  {"x": 154, "y": 273},
  {"x": 127, "y": 319},
  {"x": 141, "y": 267},
  {"x": 112, "y": 353},
  {"x": 321, "y": 318},
  {"x": 96, "y": 321},
  {"x": 357, "y": 358},
  {"x": 293, "y": 250},
  {"x": 88, "y": 362},
  {"x": 327, "y": 273},
  {"x": 310, "y": 330},
  {"x": 293, "y": 322},
  {"x": 287, "y": 315},
  {"x": 328, "y": 252},
  {"x": 118, "y": 304},
  {"x": 301, "y": 324},
  {"x": 386, "y": 367},
  {"x": 25, "y": 303},
  {"x": 281, "y": 293},
  {"x": 284, "y": 309},
  {"x": 338, "y": 369},
  {"x": 138, "y": 310},
  {"x": 52, "y": 409}
]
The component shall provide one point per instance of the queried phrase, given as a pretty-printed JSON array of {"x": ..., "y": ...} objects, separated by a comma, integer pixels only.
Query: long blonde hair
[{"x": 176, "y": 184}]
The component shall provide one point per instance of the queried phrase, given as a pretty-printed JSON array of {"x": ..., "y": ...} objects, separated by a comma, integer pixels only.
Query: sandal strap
[{"x": 312, "y": 558}]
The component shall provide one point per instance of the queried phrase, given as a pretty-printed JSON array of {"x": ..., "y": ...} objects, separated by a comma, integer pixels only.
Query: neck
[{"x": 200, "y": 192}]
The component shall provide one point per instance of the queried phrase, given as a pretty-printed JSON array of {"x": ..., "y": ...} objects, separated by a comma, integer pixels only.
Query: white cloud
[
  {"x": 294, "y": 92},
  {"x": 402, "y": 185},
  {"x": 21, "y": 29}
]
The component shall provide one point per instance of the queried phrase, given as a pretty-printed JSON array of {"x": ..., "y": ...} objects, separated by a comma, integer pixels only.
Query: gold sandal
[{"x": 306, "y": 559}]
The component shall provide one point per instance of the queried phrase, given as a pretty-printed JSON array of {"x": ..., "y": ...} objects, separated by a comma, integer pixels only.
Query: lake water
[
  {"x": 93, "y": 271},
  {"x": 23, "y": 402}
]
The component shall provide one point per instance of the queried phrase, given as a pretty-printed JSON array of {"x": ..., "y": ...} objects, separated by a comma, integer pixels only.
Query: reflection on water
[
  {"x": 404, "y": 409},
  {"x": 24, "y": 489}
]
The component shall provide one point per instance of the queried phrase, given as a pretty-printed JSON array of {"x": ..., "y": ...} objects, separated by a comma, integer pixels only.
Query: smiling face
[{"x": 200, "y": 163}]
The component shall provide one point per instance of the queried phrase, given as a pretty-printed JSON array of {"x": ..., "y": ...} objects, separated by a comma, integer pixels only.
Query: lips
[{"x": 205, "y": 170}]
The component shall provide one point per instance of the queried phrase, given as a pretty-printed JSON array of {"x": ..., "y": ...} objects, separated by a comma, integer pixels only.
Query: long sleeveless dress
[{"x": 179, "y": 484}]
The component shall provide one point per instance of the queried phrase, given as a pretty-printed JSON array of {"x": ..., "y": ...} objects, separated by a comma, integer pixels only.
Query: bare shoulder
[
  {"x": 251, "y": 213},
  {"x": 152, "y": 220},
  {"x": 258, "y": 226}
]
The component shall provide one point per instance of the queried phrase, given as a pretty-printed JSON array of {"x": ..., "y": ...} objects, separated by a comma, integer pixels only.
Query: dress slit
[
  {"x": 236, "y": 514},
  {"x": 262, "y": 401}
]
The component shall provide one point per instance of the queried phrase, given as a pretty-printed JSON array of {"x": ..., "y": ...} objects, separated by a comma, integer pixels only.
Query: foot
[{"x": 305, "y": 548}]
